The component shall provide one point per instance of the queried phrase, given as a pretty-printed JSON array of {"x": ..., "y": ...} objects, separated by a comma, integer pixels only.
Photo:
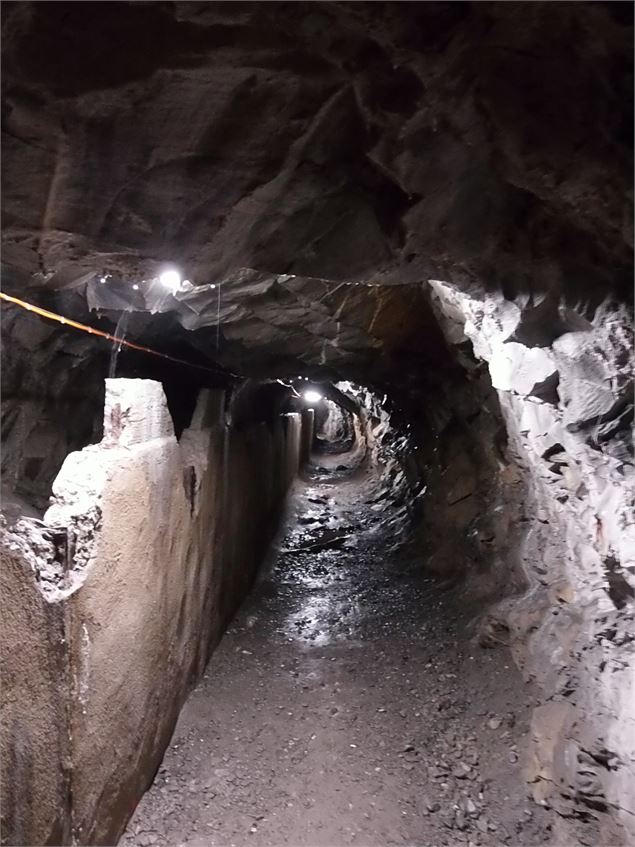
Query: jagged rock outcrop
[
  {"x": 345, "y": 142},
  {"x": 571, "y": 623}
]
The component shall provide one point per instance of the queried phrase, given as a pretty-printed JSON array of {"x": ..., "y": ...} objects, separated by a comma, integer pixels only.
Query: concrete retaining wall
[
  {"x": 148, "y": 548},
  {"x": 308, "y": 429}
]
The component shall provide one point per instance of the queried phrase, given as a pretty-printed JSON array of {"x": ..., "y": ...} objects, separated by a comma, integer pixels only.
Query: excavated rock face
[
  {"x": 52, "y": 397},
  {"x": 561, "y": 502},
  {"x": 352, "y": 142},
  {"x": 427, "y": 199}
]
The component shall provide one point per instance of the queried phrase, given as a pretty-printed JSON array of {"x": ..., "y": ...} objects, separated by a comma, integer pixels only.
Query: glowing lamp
[
  {"x": 312, "y": 396},
  {"x": 171, "y": 279}
]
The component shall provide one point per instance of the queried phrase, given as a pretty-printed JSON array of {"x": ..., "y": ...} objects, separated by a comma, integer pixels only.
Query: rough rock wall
[
  {"x": 349, "y": 151},
  {"x": 142, "y": 558},
  {"x": 562, "y": 489},
  {"x": 383, "y": 442},
  {"x": 51, "y": 405},
  {"x": 348, "y": 141},
  {"x": 470, "y": 502}
]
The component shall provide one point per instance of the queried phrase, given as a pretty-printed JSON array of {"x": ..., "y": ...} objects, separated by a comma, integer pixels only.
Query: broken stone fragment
[
  {"x": 529, "y": 371},
  {"x": 595, "y": 367}
]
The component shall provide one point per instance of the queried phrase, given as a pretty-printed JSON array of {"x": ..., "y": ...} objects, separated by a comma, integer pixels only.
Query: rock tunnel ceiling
[{"x": 317, "y": 162}]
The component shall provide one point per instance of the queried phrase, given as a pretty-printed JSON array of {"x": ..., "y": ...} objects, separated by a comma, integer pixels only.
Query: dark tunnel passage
[
  {"x": 334, "y": 428},
  {"x": 317, "y": 424},
  {"x": 313, "y": 723}
]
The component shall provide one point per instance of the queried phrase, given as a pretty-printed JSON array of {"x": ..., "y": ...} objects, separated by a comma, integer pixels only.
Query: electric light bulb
[
  {"x": 171, "y": 279},
  {"x": 312, "y": 396}
]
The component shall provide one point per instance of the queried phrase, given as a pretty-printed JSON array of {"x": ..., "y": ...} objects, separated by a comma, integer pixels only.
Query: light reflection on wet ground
[{"x": 318, "y": 581}]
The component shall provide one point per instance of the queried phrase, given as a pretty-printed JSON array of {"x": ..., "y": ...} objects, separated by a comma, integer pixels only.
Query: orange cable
[{"x": 52, "y": 316}]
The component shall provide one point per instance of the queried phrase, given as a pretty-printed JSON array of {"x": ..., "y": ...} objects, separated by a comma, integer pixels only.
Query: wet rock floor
[{"x": 347, "y": 704}]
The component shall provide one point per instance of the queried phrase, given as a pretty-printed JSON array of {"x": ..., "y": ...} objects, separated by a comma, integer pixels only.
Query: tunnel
[{"x": 317, "y": 424}]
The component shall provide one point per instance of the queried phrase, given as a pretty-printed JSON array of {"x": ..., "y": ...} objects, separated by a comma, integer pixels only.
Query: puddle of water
[{"x": 322, "y": 620}]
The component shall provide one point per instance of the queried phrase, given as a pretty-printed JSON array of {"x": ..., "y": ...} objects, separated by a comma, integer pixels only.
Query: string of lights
[{"x": 53, "y": 316}]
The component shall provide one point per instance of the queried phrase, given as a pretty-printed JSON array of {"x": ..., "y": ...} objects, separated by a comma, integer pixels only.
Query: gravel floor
[{"x": 346, "y": 704}]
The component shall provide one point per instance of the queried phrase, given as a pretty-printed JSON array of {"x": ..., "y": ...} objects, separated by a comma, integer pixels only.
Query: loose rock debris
[{"x": 348, "y": 703}]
